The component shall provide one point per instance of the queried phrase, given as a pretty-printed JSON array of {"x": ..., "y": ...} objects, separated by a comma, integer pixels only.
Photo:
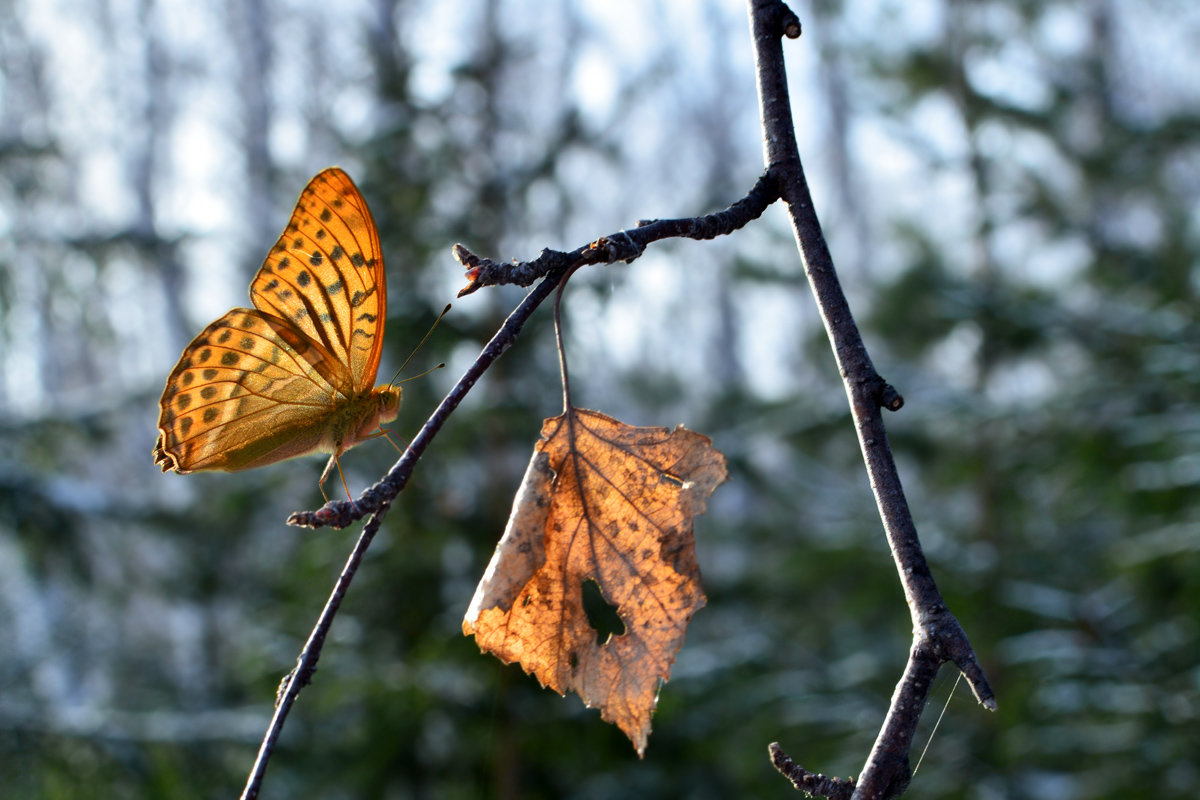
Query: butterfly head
[{"x": 389, "y": 402}]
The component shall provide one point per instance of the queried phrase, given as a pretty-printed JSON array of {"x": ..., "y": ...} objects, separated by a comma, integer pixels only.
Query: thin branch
[
  {"x": 814, "y": 784},
  {"x": 938, "y": 637},
  {"x": 306, "y": 665},
  {"x": 624, "y": 245}
]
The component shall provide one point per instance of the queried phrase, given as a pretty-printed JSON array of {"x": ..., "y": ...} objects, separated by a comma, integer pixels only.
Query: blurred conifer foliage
[{"x": 1010, "y": 190}]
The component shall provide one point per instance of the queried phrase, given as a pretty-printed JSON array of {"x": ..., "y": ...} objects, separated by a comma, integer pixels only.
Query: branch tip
[
  {"x": 979, "y": 683},
  {"x": 464, "y": 256},
  {"x": 785, "y": 20},
  {"x": 334, "y": 514},
  {"x": 891, "y": 399},
  {"x": 814, "y": 784}
]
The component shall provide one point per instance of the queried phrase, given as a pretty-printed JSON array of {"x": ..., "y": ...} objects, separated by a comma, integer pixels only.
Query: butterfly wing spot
[
  {"x": 336, "y": 253},
  {"x": 183, "y": 401},
  {"x": 294, "y": 340},
  {"x": 326, "y": 215},
  {"x": 210, "y": 414},
  {"x": 320, "y": 234},
  {"x": 208, "y": 374},
  {"x": 358, "y": 260},
  {"x": 204, "y": 355},
  {"x": 316, "y": 259},
  {"x": 230, "y": 358},
  {"x": 185, "y": 425},
  {"x": 208, "y": 392},
  {"x": 303, "y": 278},
  {"x": 335, "y": 287},
  {"x": 187, "y": 379}
]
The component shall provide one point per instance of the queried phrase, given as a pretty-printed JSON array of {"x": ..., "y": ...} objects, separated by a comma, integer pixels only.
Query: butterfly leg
[
  {"x": 384, "y": 434},
  {"x": 333, "y": 459},
  {"x": 325, "y": 476},
  {"x": 342, "y": 475}
]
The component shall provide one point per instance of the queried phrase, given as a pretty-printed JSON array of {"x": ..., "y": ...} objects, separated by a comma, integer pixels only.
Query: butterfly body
[{"x": 294, "y": 374}]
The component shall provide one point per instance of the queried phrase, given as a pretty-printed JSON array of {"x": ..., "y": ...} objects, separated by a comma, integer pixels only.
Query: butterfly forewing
[{"x": 325, "y": 276}]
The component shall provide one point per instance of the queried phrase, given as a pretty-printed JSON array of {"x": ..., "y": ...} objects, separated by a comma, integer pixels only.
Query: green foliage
[{"x": 1048, "y": 349}]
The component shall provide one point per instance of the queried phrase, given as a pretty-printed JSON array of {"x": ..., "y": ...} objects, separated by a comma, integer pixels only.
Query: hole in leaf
[{"x": 601, "y": 614}]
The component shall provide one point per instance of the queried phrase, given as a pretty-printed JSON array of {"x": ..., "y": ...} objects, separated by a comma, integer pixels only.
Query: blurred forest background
[{"x": 1011, "y": 191}]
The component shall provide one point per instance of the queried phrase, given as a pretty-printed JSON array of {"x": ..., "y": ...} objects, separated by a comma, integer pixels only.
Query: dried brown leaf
[{"x": 612, "y": 503}]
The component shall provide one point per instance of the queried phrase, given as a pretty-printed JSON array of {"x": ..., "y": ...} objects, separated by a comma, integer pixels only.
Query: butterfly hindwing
[{"x": 237, "y": 391}]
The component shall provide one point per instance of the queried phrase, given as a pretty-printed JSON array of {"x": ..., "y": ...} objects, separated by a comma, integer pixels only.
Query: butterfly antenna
[{"x": 392, "y": 382}]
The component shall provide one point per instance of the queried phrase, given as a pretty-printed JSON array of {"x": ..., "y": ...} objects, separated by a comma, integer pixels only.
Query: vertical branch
[
  {"x": 937, "y": 636},
  {"x": 865, "y": 389}
]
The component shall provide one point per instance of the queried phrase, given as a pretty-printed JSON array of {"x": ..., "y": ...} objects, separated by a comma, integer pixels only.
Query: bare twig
[
  {"x": 306, "y": 665},
  {"x": 624, "y": 245},
  {"x": 937, "y": 635},
  {"x": 814, "y": 784}
]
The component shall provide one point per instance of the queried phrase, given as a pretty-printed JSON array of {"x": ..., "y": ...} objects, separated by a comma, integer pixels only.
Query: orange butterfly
[{"x": 294, "y": 374}]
